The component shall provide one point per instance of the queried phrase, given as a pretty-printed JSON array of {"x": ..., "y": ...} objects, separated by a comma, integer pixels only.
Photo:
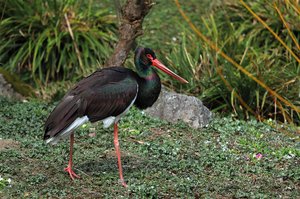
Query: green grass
[
  {"x": 54, "y": 40},
  {"x": 160, "y": 160}
]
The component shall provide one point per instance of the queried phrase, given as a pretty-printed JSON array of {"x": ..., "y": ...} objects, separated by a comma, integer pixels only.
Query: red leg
[
  {"x": 69, "y": 167},
  {"x": 117, "y": 147}
]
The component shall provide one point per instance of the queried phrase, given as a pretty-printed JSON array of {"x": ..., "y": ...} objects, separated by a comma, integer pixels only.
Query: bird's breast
[{"x": 148, "y": 93}]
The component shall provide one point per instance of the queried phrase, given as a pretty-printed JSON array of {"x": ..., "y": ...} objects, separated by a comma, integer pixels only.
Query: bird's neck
[{"x": 149, "y": 88}]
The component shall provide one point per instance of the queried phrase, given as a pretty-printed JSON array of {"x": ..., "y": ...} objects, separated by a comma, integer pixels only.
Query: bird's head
[{"x": 145, "y": 58}]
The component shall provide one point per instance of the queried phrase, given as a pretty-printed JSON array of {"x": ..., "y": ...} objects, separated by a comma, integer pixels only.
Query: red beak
[{"x": 160, "y": 66}]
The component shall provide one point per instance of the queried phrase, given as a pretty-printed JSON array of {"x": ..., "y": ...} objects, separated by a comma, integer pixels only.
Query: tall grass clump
[
  {"x": 54, "y": 40},
  {"x": 264, "y": 80}
]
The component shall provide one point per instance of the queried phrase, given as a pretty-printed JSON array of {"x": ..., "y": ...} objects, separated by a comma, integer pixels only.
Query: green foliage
[
  {"x": 256, "y": 49},
  {"x": 51, "y": 40},
  {"x": 4, "y": 183},
  {"x": 159, "y": 159}
]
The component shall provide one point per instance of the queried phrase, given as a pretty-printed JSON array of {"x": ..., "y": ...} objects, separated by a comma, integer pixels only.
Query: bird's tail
[{"x": 63, "y": 119}]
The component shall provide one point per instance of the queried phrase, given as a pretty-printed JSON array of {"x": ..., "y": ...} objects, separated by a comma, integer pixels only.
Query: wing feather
[{"x": 107, "y": 92}]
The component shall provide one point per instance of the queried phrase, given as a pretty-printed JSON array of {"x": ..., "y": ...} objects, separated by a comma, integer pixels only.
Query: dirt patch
[{"x": 8, "y": 144}]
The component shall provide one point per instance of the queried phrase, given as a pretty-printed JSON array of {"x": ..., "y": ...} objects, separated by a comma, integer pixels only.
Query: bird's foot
[
  {"x": 123, "y": 183},
  {"x": 71, "y": 173}
]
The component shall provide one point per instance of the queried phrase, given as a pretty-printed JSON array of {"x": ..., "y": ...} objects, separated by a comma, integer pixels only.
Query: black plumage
[
  {"x": 107, "y": 92},
  {"x": 106, "y": 95}
]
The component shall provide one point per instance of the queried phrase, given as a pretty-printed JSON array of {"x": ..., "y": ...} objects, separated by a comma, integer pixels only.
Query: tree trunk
[{"x": 132, "y": 16}]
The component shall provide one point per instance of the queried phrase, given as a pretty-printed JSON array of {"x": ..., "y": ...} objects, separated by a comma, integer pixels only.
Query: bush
[
  {"x": 239, "y": 35},
  {"x": 54, "y": 40}
]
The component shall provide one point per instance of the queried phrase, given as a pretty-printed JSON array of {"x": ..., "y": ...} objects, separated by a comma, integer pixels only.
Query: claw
[
  {"x": 124, "y": 183},
  {"x": 71, "y": 173},
  {"x": 69, "y": 167}
]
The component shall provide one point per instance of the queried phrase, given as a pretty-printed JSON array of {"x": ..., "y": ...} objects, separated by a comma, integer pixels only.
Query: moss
[{"x": 18, "y": 85}]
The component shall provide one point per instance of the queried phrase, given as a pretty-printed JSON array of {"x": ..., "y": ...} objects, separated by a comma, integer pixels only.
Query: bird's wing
[{"x": 105, "y": 93}]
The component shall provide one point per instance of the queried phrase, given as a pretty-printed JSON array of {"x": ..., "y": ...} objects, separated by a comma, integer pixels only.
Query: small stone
[{"x": 174, "y": 107}]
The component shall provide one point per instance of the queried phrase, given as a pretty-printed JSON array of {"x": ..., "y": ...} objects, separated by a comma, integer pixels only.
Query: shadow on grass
[{"x": 107, "y": 165}]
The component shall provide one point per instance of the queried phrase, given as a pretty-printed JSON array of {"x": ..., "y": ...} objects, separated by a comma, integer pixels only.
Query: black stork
[{"x": 107, "y": 95}]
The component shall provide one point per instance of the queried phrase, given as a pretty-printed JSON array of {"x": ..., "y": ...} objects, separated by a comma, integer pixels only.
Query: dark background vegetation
[{"x": 49, "y": 45}]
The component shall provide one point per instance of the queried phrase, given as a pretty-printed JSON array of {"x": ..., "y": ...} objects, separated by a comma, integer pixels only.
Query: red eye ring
[{"x": 149, "y": 56}]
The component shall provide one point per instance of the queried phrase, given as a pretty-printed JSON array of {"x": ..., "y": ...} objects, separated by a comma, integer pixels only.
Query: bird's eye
[{"x": 149, "y": 56}]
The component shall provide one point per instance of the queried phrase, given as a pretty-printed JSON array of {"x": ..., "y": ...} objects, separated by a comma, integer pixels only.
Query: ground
[{"x": 228, "y": 159}]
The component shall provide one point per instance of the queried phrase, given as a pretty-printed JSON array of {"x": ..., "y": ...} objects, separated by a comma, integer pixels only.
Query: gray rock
[
  {"x": 173, "y": 107},
  {"x": 7, "y": 90}
]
